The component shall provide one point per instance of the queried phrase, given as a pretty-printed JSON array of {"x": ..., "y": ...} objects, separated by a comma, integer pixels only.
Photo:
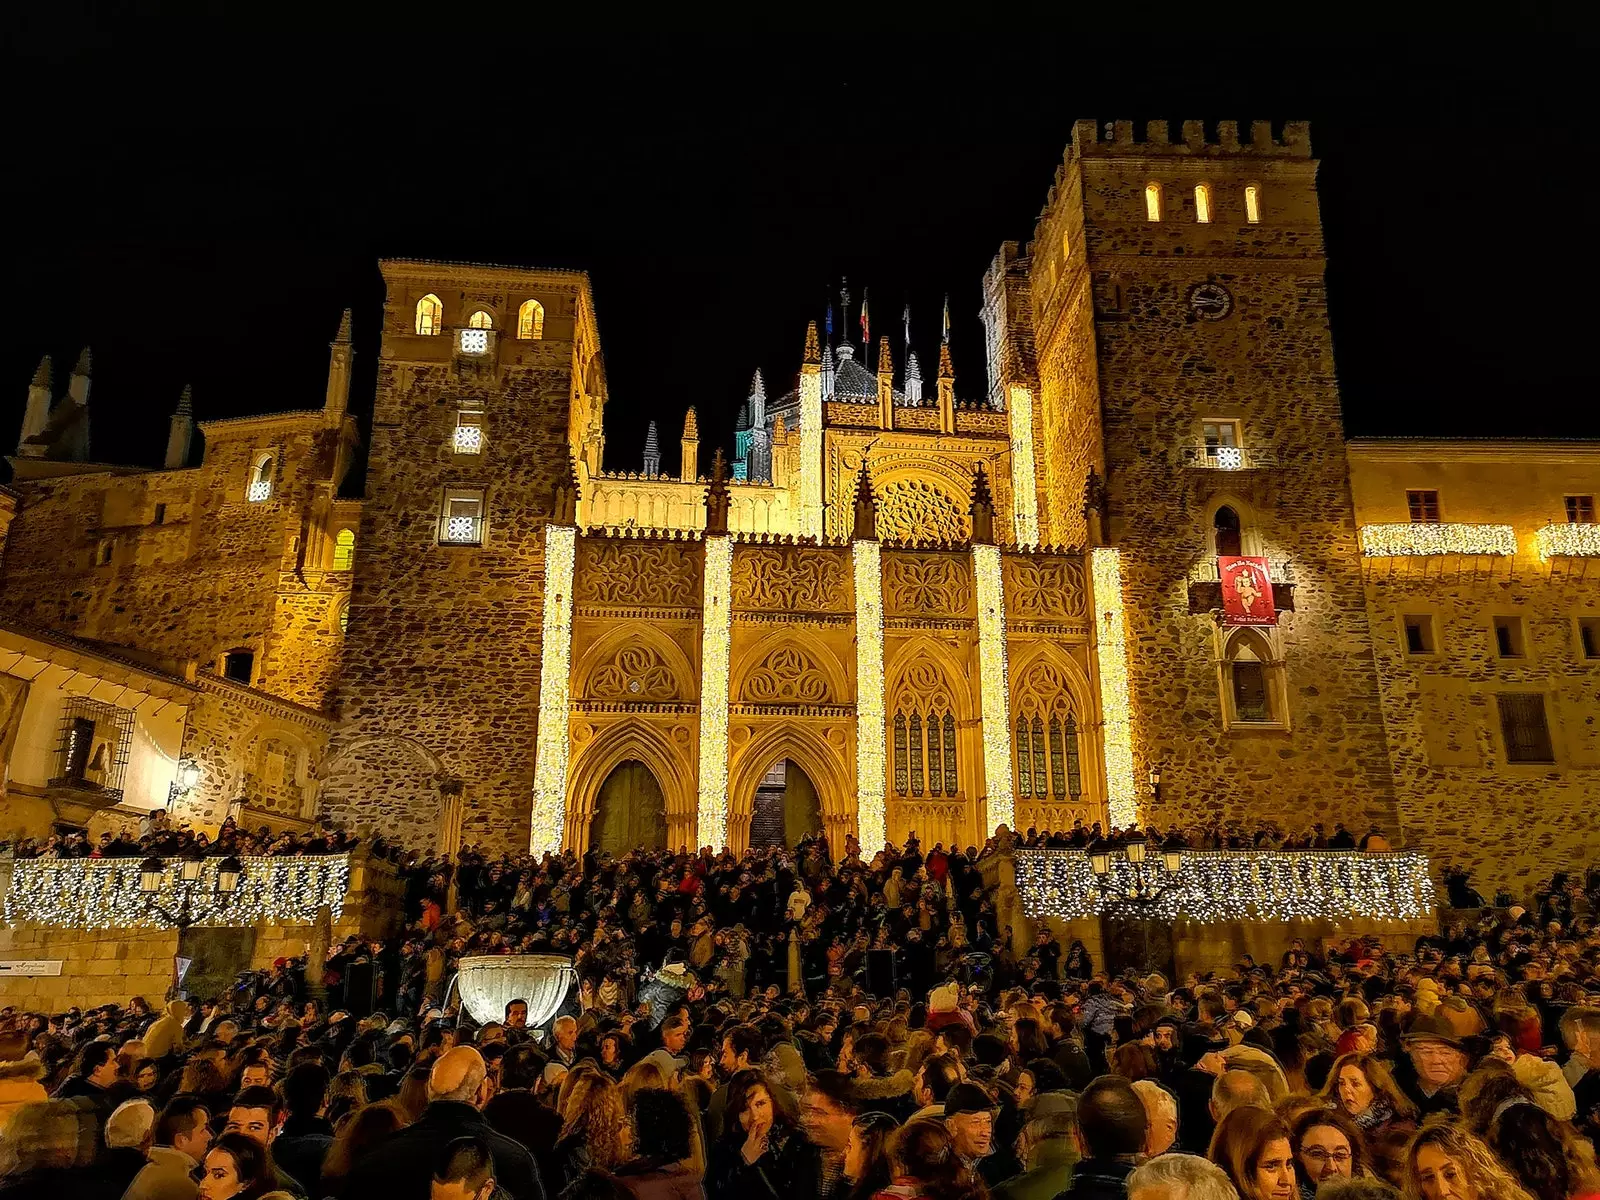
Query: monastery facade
[{"x": 894, "y": 608}]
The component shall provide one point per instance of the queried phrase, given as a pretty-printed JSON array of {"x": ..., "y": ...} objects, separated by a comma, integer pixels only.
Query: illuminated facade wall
[
  {"x": 714, "y": 654},
  {"x": 550, "y": 766}
]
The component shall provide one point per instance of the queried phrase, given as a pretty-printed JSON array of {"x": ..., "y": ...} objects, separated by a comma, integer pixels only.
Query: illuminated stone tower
[
  {"x": 489, "y": 383},
  {"x": 1188, "y": 400}
]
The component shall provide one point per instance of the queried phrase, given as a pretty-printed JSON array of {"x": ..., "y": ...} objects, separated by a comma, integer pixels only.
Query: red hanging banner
[{"x": 1246, "y": 591}]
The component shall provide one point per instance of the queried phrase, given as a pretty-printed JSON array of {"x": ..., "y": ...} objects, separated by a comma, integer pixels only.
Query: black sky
[{"x": 198, "y": 202}]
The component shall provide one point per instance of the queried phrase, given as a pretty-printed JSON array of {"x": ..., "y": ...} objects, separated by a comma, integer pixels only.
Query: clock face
[{"x": 1210, "y": 301}]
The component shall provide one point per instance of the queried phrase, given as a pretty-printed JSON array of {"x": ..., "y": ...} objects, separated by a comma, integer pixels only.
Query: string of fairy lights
[
  {"x": 1024, "y": 500},
  {"x": 1422, "y": 538},
  {"x": 104, "y": 893},
  {"x": 1213, "y": 886},
  {"x": 870, "y": 780},
  {"x": 716, "y": 631},
  {"x": 1105, "y": 570},
  {"x": 994, "y": 688},
  {"x": 550, "y": 756},
  {"x": 1568, "y": 541}
]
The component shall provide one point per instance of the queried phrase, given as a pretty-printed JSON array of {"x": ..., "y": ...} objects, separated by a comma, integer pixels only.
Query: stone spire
[
  {"x": 37, "y": 415},
  {"x": 813, "y": 351},
  {"x": 885, "y": 384},
  {"x": 689, "y": 467},
  {"x": 758, "y": 401},
  {"x": 828, "y": 372},
  {"x": 913, "y": 380},
  {"x": 73, "y": 446},
  {"x": 982, "y": 509},
  {"x": 947, "y": 390},
  {"x": 866, "y": 508},
  {"x": 340, "y": 356},
  {"x": 717, "y": 497},
  {"x": 652, "y": 450},
  {"x": 180, "y": 431}
]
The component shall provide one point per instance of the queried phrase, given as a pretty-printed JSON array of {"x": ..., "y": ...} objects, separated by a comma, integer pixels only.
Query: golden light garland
[
  {"x": 810, "y": 452},
  {"x": 870, "y": 818},
  {"x": 716, "y": 626},
  {"x": 1568, "y": 541},
  {"x": 103, "y": 893},
  {"x": 1422, "y": 538},
  {"x": 1214, "y": 886},
  {"x": 1105, "y": 568},
  {"x": 1024, "y": 499},
  {"x": 994, "y": 687},
  {"x": 555, "y": 666}
]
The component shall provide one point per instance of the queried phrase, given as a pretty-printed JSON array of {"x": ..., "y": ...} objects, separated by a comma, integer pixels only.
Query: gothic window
[
  {"x": 261, "y": 477},
  {"x": 430, "y": 315},
  {"x": 1047, "y": 752},
  {"x": 480, "y": 320},
  {"x": 1252, "y": 204},
  {"x": 1202, "y": 203},
  {"x": 530, "y": 321},
  {"x": 950, "y": 787},
  {"x": 1152, "y": 202},
  {"x": 344, "y": 550},
  {"x": 916, "y": 754},
  {"x": 900, "y": 754},
  {"x": 1229, "y": 537}
]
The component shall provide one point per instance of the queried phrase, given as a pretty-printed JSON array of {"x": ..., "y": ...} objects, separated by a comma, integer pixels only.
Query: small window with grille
[
  {"x": 1524, "y": 727},
  {"x": 93, "y": 746},
  {"x": 461, "y": 517}
]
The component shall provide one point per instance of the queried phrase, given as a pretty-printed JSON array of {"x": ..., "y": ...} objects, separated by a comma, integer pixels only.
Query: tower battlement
[{"x": 1113, "y": 138}]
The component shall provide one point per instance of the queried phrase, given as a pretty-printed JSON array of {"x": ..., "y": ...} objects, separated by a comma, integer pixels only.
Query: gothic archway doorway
[
  {"x": 786, "y": 806},
  {"x": 630, "y": 811}
]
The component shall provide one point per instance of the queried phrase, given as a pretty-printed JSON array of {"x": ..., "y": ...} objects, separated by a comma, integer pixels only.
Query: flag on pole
[
  {"x": 866, "y": 325},
  {"x": 907, "y": 319},
  {"x": 944, "y": 335}
]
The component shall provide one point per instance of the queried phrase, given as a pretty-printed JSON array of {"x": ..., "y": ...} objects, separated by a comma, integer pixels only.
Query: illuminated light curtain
[
  {"x": 716, "y": 625},
  {"x": 810, "y": 451},
  {"x": 871, "y": 830},
  {"x": 1105, "y": 569},
  {"x": 950, "y": 784},
  {"x": 994, "y": 686},
  {"x": 555, "y": 664},
  {"x": 1024, "y": 497},
  {"x": 916, "y": 754}
]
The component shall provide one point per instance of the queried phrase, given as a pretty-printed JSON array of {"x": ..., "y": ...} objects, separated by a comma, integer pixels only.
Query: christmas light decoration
[
  {"x": 810, "y": 452},
  {"x": 1213, "y": 886},
  {"x": 1568, "y": 541},
  {"x": 1105, "y": 569},
  {"x": 870, "y": 827},
  {"x": 716, "y": 627},
  {"x": 1421, "y": 538},
  {"x": 993, "y": 686},
  {"x": 1024, "y": 500},
  {"x": 103, "y": 893},
  {"x": 555, "y": 666}
]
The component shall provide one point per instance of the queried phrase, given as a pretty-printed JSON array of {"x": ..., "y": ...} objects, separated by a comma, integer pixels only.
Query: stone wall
[
  {"x": 1162, "y": 370},
  {"x": 442, "y": 653}
]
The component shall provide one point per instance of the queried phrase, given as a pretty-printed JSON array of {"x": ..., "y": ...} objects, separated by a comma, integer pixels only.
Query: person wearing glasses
[{"x": 1326, "y": 1144}]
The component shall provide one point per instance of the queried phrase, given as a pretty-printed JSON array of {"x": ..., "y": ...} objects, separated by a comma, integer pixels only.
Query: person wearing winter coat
[{"x": 165, "y": 1035}]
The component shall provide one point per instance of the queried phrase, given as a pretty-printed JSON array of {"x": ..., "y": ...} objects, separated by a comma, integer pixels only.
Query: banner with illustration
[{"x": 1246, "y": 591}]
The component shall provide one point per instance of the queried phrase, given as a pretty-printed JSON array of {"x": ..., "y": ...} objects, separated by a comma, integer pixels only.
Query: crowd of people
[{"x": 732, "y": 1035}]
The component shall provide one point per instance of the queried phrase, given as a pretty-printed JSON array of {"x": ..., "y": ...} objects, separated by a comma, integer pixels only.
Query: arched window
[
  {"x": 480, "y": 320},
  {"x": 1252, "y": 681},
  {"x": 1048, "y": 759},
  {"x": 430, "y": 315},
  {"x": 1252, "y": 204},
  {"x": 1152, "y": 202},
  {"x": 1202, "y": 203},
  {"x": 261, "y": 477},
  {"x": 925, "y": 761},
  {"x": 530, "y": 321},
  {"x": 344, "y": 550},
  {"x": 1229, "y": 537}
]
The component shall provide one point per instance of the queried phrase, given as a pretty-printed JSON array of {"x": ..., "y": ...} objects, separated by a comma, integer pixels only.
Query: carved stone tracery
[
  {"x": 916, "y": 510},
  {"x": 788, "y": 675},
  {"x": 648, "y": 573},
  {"x": 790, "y": 580},
  {"x": 927, "y": 585},
  {"x": 635, "y": 672},
  {"x": 1045, "y": 587}
]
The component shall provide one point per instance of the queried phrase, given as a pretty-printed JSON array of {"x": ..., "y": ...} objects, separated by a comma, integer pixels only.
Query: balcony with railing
[
  {"x": 1210, "y": 457},
  {"x": 1205, "y": 587}
]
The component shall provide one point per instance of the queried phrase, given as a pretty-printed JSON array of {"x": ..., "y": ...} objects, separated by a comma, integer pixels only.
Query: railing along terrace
[
  {"x": 105, "y": 893},
  {"x": 1213, "y": 886}
]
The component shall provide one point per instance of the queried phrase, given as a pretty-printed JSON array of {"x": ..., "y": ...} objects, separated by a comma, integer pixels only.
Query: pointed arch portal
[
  {"x": 786, "y": 806},
  {"x": 630, "y": 811}
]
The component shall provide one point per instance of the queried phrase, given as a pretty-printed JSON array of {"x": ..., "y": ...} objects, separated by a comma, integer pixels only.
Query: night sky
[{"x": 198, "y": 203}]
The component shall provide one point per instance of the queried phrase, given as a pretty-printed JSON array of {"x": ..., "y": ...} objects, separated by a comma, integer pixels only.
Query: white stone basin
[{"x": 489, "y": 983}]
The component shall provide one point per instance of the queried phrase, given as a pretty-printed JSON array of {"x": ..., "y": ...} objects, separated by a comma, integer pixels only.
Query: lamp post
[
  {"x": 1155, "y": 781},
  {"x": 153, "y": 874},
  {"x": 1144, "y": 881},
  {"x": 184, "y": 781}
]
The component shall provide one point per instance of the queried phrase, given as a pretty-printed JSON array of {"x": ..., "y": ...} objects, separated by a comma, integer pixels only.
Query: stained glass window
[
  {"x": 1024, "y": 760},
  {"x": 950, "y": 783},
  {"x": 934, "y": 782},
  {"x": 1058, "y": 766},
  {"x": 900, "y": 753},
  {"x": 1074, "y": 773},
  {"x": 916, "y": 755}
]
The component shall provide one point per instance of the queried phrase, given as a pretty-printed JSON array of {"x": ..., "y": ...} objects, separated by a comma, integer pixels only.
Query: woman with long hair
[
  {"x": 1445, "y": 1162},
  {"x": 1548, "y": 1158},
  {"x": 1361, "y": 1085},
  {"x": 236, "y": 1168},
  {"x": 1327, "y": 1144},
  {"x": 1252, "y": 1145},
  {"x": 923, "y": 1157},
  {"x": 594, "y": 1129},
  {"x": 361, "y": 1131},
  {"x": 664, "y": 1135},
  {"x": 866, "y": 1155},
  {"x": 760, "y": 1155}
]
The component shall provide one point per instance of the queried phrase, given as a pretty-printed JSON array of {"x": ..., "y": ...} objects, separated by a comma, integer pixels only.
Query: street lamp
[
  {"x": 1155, "y": 781},
  {"x": 192, "y": 905},
  {"x": 1142, "y": 883},
  {"x": 1133, "y": 846},
  {"x": 151, "y": 872},
  {"x": 1100, "y": 859}
]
